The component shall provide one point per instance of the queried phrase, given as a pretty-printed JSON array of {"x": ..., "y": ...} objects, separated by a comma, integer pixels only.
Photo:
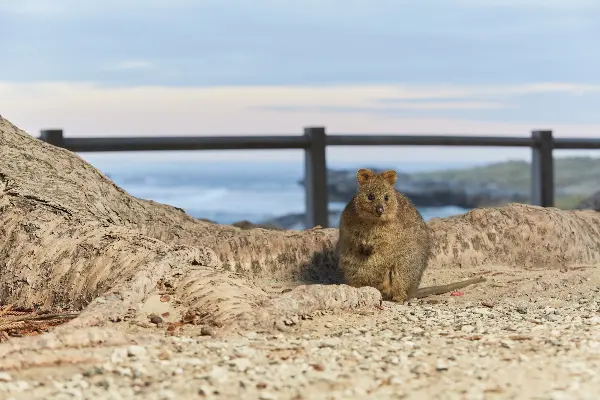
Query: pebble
[
  {"x": 207, "y": 331},
  {"x": 331, "y": 342},
  {"x": 441, "y": 365},
  {"x": 424, "y": 350},
  {"x": 218, "y": 374},
  {"x": 118, "y": 355},
  {"x": 136, "y": 351},
  {"x": 5, "y": 377},
  {"x": 241, "y": 364}
]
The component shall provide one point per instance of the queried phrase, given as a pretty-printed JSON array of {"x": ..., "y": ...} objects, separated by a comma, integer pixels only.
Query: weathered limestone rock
[{"x": 71, "y": 239}]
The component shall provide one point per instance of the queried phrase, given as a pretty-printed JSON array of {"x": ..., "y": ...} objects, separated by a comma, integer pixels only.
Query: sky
[{"x": 227, "y": 67}]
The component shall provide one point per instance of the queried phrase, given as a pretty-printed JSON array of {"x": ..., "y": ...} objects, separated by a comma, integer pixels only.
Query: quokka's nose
[{"x": 379, "y": 210}]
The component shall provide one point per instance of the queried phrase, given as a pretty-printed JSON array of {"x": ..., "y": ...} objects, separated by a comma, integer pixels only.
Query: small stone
[
  {"x": 123, "y": 371},
  {"x": 137, "y": 373},
  {"x": 19, "y": 386},
  {"x": 166, "y": 394},
  {"x": 5, "y": 377},
  {"x": 522, "y": 310},
  {"x": 418, "y": 330},
  {"x": 136, "y": 351},
  {"x": 118, "y": 355},
  {"x": 165, "y": 298},
  {"x": 251, "y": 335},
  {"x": 215, "y": 345},
  {"x": 505, "y": 344},
  {"x": 155, "y": 319},
  {"x": 207, "y": 331},
  {"x": 218, "y": 374},
  {"x": 205, "y": 390},
  {"x": 467, "y": 328},
  {"x": 318, "y": 367},
  {"x": 330, "y": 342},
  {"x": 241, "y": 364},
  {"x": 164, "y": 354},
  {"x": 93, "y": 371},
  {"x": 441, "y": 366},
  {"x": 101, "y": 300},
  {"x": 104, "y": 383},
  {"x": 77, "y": 377}
]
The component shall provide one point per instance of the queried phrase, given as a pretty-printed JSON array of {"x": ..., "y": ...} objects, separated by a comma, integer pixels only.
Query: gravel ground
[{"x": 443, "y": 350}]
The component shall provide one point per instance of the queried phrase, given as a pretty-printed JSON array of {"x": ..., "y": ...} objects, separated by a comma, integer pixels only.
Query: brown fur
[{"x": 389, "y": 249}]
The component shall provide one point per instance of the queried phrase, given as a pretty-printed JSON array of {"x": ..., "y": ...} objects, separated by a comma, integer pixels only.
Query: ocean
[{"x": 226, "y": 191}]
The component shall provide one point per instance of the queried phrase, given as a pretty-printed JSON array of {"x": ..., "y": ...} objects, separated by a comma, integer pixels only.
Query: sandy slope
[{"x": 71, "y": 239}]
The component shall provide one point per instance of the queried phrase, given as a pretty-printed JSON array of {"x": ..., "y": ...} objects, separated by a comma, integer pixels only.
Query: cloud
[
  {"x": 552, "y": 103},
  {"x": 91, "y": 109},
  {"x": 268, "y": 66},
  {"x": 87, "y": 109}
]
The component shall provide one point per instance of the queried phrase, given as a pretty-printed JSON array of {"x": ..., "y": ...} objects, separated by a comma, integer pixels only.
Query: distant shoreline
[
  {"x": 495, "y": 184},
  {"x": 258, "y": 192}
]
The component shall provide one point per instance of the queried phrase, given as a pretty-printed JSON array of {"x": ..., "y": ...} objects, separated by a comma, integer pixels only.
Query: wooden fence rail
[{"x": 314, "y": 142}]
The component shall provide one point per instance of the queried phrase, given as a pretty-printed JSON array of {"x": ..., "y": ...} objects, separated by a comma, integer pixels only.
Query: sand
[{"x": 171, "y": 306}]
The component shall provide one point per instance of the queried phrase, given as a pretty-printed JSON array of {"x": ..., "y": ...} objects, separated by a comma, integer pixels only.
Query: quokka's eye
[
  {"x": 371, "y": 196},
  {"x": 386, "y": 197}
]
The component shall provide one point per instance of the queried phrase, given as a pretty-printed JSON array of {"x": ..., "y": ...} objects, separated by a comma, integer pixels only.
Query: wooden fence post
[
  {"x": 542, "y": 169},
  {"x": 315, "y": 180},
  {"x": 53, "y": 137}
]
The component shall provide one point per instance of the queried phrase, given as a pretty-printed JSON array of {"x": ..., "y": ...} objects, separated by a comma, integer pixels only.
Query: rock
[
  {"x": 241, "y": 364},
  {"x": 218, "y": 374},
  {"x": 118, "y": 355},
  {"x": 136, "y": 351},
  {"x": 427, "y": 192},
  {"x": 207, "y": 331},
  {"x": 5, "y": 377},
  {"x": 591, "y": 203},
  {"x": 441, "y": 365},
  {"x": 249, "y": 225},
  {"x": 103, "y": 240}
]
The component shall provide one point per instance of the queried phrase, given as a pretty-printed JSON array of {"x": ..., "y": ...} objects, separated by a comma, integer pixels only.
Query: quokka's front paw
[
  {"x": 365, "y": 249},
  {"x": 401, "y": 298}
]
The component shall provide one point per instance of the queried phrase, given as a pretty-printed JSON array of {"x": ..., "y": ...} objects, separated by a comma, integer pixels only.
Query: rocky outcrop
[
  {"x": 71, "y": 239},
  {"x": 591, "y": 203},
  {"x": 430, "y": 192}
]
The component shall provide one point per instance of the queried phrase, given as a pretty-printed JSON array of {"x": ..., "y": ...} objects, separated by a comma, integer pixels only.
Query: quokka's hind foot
[
  {"x": 400, "y": 298},
  {"x": 391, "y": 293}
]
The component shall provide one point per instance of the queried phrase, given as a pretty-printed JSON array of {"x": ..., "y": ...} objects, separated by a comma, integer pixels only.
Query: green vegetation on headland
[{"x": 575, "y": 178}]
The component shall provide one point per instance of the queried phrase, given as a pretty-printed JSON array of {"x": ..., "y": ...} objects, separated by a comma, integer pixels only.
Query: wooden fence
[{"x": 314, "y": 141}]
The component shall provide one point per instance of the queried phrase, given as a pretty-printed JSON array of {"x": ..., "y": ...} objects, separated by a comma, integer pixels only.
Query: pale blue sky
[{"x": 152, "y": 67}]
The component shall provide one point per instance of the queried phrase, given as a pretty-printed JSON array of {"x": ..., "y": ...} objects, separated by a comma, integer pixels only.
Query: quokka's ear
[
  {"x": 364, "y": 175},
  {"x": 389, "y": 176}
]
